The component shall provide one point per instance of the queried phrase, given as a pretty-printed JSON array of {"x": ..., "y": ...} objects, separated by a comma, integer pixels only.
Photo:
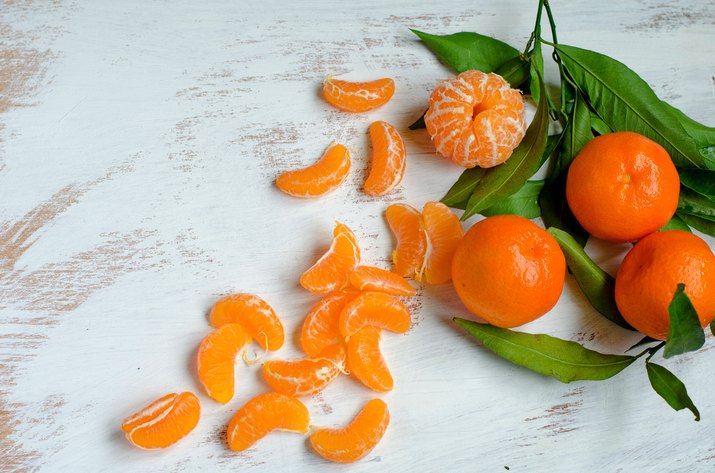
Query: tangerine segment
[
  {"x": 476, "y": 119},
  {"x": 255, "y": 316},
  {"x": 321, "y": 327},
  {"x": 377, "y": 309},
  {"x": 163, "y": 422},
  {"x": 332, "y": 270},
  {"x": 410, "y": 252},
  {"x": 357, "y": 439},
  {"x": 263, "y": 414},
  {"x": 320, "y": 178},
  {"x": 370, "y": 278},
  {"x": 307, "y": 376},
  {"x": 216, "y": 359},
  {"x": 358, "y": 96},
  {"x": 388, "y": 159},
  {"x": 365, "y": 361},
  {"x": 443, "y": 233}
]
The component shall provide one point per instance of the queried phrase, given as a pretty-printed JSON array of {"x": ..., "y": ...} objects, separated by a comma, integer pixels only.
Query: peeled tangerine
[
  {"x": 358, "y": 96},
  {"x": 254, "y": 315},
  {"x": 263, "y": 414},
  {"x": 306, "y": 376},
  {"x": 321, "y": 327},
  {"x": 377, "y": 309},
  {"x": 357, "y": 439},
  {"x": 407, "y": 225},
  {"x": 332, "y": 271},
  {"x": 216, "y": 359},
  {"x": 370, "y": 278},
  {"x": 320, "y": 178},
  {"x": 365, "y": 361},
  {"x": 387, "y": 165},
  {"x": 163, "y": 422}
]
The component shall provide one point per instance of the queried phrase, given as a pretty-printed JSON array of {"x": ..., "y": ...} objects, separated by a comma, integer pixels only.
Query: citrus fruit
[
  {"x": 164, "y": 421},
  {"x": 476, "y": 119},
  {"x": 377, "y": 309},
  {"x": 216, "y": 359},
  {"x": 320, "y": 178},
  {"x": 358, "y": 96},
  {"x": 263, "y": 414},
  {"x": 387, "y": 165},
  {"x": 357, "y": 439},
  {"x": 254, "y": 315},
  {"x": 508, "y": 271},
  {"x": 306, "y": 376},
  {"x": 332, "y": 271},
  {"x": 321, "y": 327},
  {"x": 443, "y": 234},
  {"x": 622, "y": 186},
  {"x": 410, "y": 251},
  {"x": 370, "y": 278},
  {"x": 650, "y": 273},
  {"x": 365, "y": 361}
]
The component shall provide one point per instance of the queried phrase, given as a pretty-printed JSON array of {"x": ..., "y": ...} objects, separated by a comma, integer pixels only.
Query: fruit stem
[{"x": 536, "y": 34}]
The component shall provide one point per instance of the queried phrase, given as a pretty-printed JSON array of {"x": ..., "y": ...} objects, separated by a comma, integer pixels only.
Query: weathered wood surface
[{"x": 138, "y": 145}]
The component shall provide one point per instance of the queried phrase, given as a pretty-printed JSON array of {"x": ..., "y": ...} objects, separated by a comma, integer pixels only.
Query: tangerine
[
  {"x": 388, "y": 159},
  {"x": 163, "y": 422},
  {"x": 320, "y": 178},
  {"x": 377, "y": 309},
  {"x": 332, "y": 271},
  {"x": 409, "y": 255},
  {"x": 358, "y": 96},
  {"x": 370, "y": 278},
  {"x": 365, "y": 361},
  {"x": 321, "y": 327},
  {"x": 443, "y": 234},
  {"x": 254, "y": 314},
  {"x": 306, "y": 376},
  {"x": 216, "y": 359}
]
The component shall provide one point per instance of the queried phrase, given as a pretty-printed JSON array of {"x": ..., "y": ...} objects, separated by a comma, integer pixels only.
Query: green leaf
[
  {"x": 523, "y": 202},
  {"x": 502, "y": 181},
  {"x": 643, "y": 341},
  {"x": 703, "y": 135},
  {"x": 458, "y": 195},
  {"x": 701, "y": 224},
  {"x": 597, "y": 285},
  {"x": 685, "y": 333},
  {"x": 692, "y": 203},
  {"x": 712, "y": 328},
  {"x": 701, "y": 181},
  {"x": 466, "y": 51},
  {"x": 675, "y": 223},
  {"x": 537, "y": 71},
  {"x": 419, "y": 123},
  {"x": 561, "y": 359},
  {"x": 598, "y": 125},
  {"x": 627, "y": 103},
  {"x": 670, "y": 388}
]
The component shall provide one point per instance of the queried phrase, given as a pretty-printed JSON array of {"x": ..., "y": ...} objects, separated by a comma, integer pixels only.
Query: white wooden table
[{"x": 138, "y": 145}]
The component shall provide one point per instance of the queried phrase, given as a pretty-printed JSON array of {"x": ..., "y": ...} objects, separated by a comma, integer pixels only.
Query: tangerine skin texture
[
  {"x": 508, "y": 271},
  {"x": 622, "y": 186},
  {"x": 650, "y": 273}
]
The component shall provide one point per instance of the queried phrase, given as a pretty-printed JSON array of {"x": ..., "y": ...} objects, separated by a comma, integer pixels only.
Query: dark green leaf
[
  {"x": 675, "y": 223},
  {"x": 597, "y": 285},
  {"x": 564, "y": 360},
  {"x": 537, "y": 70},
  {"x": 627, "y": 103},
  {"x": 465, "y": 51},
  {"x": 701, "y": 224},
  {"x": 419, "y": 123},
  {"x": 501, "y": 181},
  {"x": 523, "y": 202},
  {"x": 598, "y": 125},
  {"x": 712, "y": 328},
  {"x": 643, "y": 341},
  {"x": 670, "y": 388},
  {"x": 692, "y": 203},
  {"x": 685, "y": 333},
  {"x": 703, "y": 135},
  {"x": 701, "y": 181},
  {"x": 458, "y": 195},
  {"x": 552, "y": 142}
]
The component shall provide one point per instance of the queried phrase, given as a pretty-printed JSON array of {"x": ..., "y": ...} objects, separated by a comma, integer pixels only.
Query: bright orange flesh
[
  {"x": 357, "y": 439},
  {"x": 320, "y": 178},
  {"x": 410, "y": 251},
  {"x": 476, "y": 119},
  {"x": 332, "y": 271},
  {"x": 508, "y": 271},
  {"x": 443, "y": 234},
  {"x": 321, "y": 327},
  {"x": 163, "y": 422},
  {"x": 365, "y": 361},
  {"x": 254, "y": 315},
  {"x": 216, "y": 360},
  {"x": 650, "y": 273},
  {"x": 263, "y": 414},
  {"x": 370, "y": 278},
  {"x": 387, "y": 165},
  {"x": 358, "y": 96},
  {"x": 377, "y": 309},
  {"x": 622, "y": 186},
  {"x": 306, "y": 376}
]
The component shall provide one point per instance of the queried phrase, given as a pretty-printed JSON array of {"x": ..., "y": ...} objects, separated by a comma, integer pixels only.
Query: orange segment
[
  {"x": 443, "y": 233},
  {"x": 216, "y": 359},
  {"x": 321, "y": 327},
  {"x": 388, "y": 159},
  {"x": 332, "y": 270},
  {"x": 163, "y": 422},
  {"x": 320, "y": 178},
  {"x": 307, "y": 376},
  {"x": 377, "y": 309},
  {"x": 357, "y": 439},
  {"x": 263, "y": 414},
  {"x": 370, "y": 278},
  {"x": 365, "y": 361},
  {"x": 409, "y": 254},
  {"x": 358, "y": 96},
  {"x": 255, "y": 316}
]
